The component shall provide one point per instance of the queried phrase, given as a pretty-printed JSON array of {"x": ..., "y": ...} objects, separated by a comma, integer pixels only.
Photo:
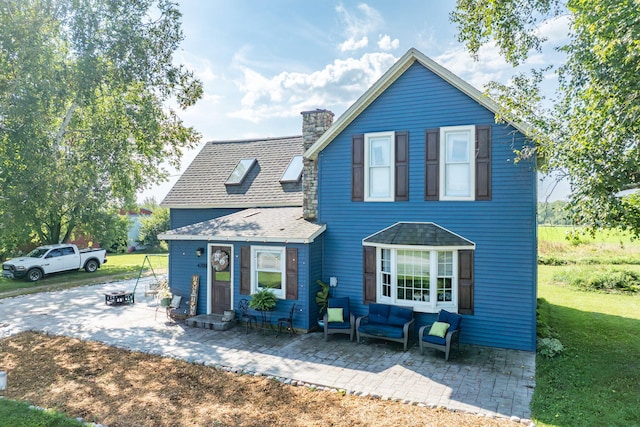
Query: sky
[{"x": 264, "y": 62}]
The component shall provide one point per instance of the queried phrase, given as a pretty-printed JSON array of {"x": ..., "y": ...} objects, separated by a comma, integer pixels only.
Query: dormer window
[
  {"x": 240, "y": 171},
  {"x": 293, "y": 172}
]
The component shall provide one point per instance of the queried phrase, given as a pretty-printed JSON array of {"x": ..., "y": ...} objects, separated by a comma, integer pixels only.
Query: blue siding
[
  {"x": 503, "y": 229},
  {"x": 183, "y": 263},
  {"x": 182, "y": 217},
  {"x": 301, "y": 315}
]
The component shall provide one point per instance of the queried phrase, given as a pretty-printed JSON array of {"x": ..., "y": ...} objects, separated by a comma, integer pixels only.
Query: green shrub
[
  {"x": 549, "y": 347},
  {"x": 551, "y": 260},
  {"x": 543, "y": 330},
  {"x": 609, "y": 281}
]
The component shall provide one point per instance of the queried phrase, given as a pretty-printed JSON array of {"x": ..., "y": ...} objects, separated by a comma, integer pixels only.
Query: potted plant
[
  {"x": 322, "y": 299},
  {"x": 164, "y": 293},
  {"x": 263, "y": 300}
]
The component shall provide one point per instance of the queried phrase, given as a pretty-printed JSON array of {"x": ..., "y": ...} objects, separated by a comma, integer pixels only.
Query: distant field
[{"x": 550, "y": 233}]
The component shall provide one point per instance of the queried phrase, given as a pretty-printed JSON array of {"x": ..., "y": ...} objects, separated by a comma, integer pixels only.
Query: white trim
[
  {"x": 257, "y": 239},
  {"x": 471, "y": 151},
  {"x": 396, "y": 70},
  {"x": 367, "y": 166},
  {"x": 282, "y": 292}
]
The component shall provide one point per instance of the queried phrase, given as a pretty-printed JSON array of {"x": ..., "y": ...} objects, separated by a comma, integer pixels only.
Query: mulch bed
[{"x": 116, "y": 388}]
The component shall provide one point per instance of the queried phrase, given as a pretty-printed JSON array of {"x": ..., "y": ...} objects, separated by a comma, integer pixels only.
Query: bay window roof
[{"x": 417, "y": 234}]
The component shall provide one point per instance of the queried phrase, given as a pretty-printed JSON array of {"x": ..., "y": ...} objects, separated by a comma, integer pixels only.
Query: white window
[
  {"x": 457, "y": 166},
  {"x": 423, "y": 278},
  {"x": 379, "y": 166},
  {"x": 268, "y": 269}
]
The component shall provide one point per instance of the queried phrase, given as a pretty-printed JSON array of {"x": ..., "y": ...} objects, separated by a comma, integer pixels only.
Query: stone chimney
[{"x": 314, "y": 124}]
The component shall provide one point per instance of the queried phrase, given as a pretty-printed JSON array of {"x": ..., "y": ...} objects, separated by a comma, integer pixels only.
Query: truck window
[
  {"x": 68, "y": 251},
  {"x": 54, "y": 253}
]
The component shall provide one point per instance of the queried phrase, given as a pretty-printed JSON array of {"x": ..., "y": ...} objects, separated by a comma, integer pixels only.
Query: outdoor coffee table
[{"x": 118, "y": 298}]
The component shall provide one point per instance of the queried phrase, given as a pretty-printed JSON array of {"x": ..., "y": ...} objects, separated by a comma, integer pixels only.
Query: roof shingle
[{"x": 203, "y": 183}]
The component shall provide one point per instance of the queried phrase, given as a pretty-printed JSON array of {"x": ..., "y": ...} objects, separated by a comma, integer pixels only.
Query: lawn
[
  {"x": 118, "y": 267},
  {"x": 595, "y": 380}
]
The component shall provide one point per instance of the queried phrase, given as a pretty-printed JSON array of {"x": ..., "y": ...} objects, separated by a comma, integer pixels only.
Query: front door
[{"x": 220, "y": 279}]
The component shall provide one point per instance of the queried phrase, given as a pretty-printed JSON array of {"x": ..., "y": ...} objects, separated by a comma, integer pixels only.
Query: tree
[
  {"x": 593, "y": 129},
  {"x": 150, "y": 227},
  {"x": 85, "y": 117}
]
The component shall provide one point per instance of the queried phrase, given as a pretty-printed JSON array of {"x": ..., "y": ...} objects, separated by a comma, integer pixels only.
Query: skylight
[
  {"x": 293, "y": 171},
  {"x": 240, "y": 171}
]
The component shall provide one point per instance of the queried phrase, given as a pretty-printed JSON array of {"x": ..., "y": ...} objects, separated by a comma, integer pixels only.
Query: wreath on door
[{"x": 220, "y": 260}]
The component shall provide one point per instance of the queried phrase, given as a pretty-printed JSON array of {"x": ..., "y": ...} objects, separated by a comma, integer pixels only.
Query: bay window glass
[{"x": 424, "y": 279}]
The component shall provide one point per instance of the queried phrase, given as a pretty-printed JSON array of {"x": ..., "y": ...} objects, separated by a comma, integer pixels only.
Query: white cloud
[
  {"x": 556, "y": 30},
  {"x": 357, "y": 25},
  {"x": 334, "y": 87},
  {"x": 385, "y": 42},
  {"x": 352, "y": 44}
]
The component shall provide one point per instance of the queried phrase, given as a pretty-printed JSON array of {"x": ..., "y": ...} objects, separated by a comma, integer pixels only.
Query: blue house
[{"x": 411, "y": 197}]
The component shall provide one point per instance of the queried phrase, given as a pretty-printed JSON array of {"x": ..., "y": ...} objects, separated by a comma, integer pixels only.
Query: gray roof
[
  {"x": 252, "y": 225},
  {"x": 417, "y": 234},
  {"x": 202, "y": 185}
]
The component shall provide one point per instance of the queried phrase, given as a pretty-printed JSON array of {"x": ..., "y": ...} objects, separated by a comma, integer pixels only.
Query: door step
[{"x": 210, "y": 321}]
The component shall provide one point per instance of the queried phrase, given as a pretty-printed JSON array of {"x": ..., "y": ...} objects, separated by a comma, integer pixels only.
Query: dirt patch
[{"x": 117, "y": 388}]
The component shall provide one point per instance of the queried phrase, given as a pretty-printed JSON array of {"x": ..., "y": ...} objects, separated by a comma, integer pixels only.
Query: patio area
[{"x": 481, "y": 380}]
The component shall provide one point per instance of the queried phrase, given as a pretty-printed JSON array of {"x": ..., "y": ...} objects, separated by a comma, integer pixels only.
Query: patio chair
[
  {"x": 176, "y": 311},
  {"x": 338, "y": 319},
  {"x": 287, "y": 321},
  {"x": 246, "y": 316},
  {"x": 441, "y": 333}
]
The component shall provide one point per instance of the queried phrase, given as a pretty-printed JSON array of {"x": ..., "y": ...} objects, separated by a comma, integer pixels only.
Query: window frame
[
  {"x": 279, "y": 293},
  {"x": 431, "y": 306},
  {"x": 471, "y": 159},
  {"x": 368, "y": 138}
]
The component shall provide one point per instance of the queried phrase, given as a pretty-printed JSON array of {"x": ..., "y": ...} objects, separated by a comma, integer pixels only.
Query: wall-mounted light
[{"x": 199, "y": 252}]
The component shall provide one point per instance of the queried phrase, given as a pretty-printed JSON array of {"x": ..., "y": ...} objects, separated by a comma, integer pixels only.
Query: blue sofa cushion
[
  {"x": 452, "y": 319},
  {"x": 381, "y": 330},
  {"x": 433, "y": 339},
  {"x": 378, "y": 313},
  {"x": 398, "y": 316},
  {"x": 342, "y": 303},
  {"x": 339, "y": 325}
]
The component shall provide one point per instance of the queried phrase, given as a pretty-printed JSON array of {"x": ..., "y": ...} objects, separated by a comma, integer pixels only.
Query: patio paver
[{"x": 482, "y": 380}]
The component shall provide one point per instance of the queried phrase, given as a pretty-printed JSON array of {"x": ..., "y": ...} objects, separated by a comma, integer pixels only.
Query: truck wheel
[
  {"x": 91, "y": 266},
  {"x": 34, "y": 275}
]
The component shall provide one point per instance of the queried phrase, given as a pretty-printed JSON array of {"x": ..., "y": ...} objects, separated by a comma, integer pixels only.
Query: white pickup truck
[{"x": 53, "y": 259}]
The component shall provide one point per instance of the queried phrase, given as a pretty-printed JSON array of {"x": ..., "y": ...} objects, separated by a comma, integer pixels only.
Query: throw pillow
[
  {"x": 335, "y": 315},
  {"x": 439, "y": 329}
]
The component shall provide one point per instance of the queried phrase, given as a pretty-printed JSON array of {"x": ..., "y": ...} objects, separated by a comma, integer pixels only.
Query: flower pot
[{"x": 165, "y": 302}]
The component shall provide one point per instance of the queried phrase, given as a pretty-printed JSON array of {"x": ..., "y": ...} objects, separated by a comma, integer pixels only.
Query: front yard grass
[
  {"x": 118, "y": 267},
  {"x": 595, "y": 380},
  {"x": 13, "y": 413}
]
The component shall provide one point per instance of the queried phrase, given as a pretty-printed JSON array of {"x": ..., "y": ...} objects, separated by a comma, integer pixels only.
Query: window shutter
[
  {"x": 402, "y": 166},
  {"x": 357, "y": 168},
  {"x": 465, "y": 282},
  {"x": 369, "y": 273},
  {"x": 432, "y": 164},
  {"x": 483, "y": 162},
  {"x": 292, "y": 273},
  {"x": 245, "y": 270}
]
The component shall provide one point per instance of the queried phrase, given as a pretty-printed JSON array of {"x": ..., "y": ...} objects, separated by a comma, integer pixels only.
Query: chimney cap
[{"x": 317, "y": 110}]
